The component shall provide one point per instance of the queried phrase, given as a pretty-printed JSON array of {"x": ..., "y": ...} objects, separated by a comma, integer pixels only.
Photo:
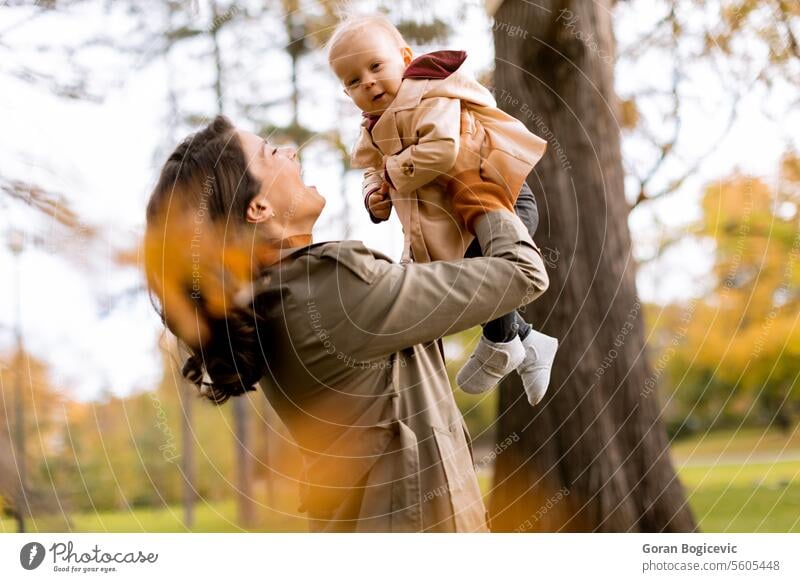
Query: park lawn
[
  {"x": 726, "y": 493},
  {"x": 739, "y": 443},
  {"x": 742, "y": 481},
  {"x": 756, "y": 497},
  {"x": 747, "y": 508},
  {"x": 753, "y": 498},
  {"x": 737, "y": 481},
  {"x": 218, "y": 517}
]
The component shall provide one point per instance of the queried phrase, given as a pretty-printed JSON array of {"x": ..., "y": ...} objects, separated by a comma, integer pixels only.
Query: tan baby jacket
[{"x": 415, "y": 142}]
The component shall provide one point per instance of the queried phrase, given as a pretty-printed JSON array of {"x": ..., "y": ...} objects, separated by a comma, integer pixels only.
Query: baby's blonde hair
[{"x": 353, "y": 23}]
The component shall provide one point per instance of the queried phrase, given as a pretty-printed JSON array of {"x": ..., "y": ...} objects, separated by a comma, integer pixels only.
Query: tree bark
[{"x": 593, "y": 456}]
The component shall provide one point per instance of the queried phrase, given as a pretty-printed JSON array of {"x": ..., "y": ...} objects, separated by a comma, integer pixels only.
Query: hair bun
[{"x": 193, "y": 371}]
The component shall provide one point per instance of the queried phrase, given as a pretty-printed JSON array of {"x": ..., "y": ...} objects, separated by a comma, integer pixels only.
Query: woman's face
[{"x": 295, "y": 205}]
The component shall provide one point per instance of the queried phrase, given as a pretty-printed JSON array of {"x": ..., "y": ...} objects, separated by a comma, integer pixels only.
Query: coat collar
[
  {"x": 430, "y": 66},
  {"x": 408, "y": 97},
  {"x": 434, "y": 66}
]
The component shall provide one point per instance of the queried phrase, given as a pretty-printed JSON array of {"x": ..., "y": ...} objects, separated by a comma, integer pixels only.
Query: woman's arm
[
  {"x": 376, "y": 307},
  {"x": 385, "y": 307}
]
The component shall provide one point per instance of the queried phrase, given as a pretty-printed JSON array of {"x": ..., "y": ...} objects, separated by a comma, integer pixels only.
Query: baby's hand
[{"x": 379, "y": 202}]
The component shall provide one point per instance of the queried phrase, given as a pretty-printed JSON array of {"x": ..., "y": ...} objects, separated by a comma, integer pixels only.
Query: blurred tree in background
[
  {"x": 733, "y": 355},
  {"x": 42, "y": 426}
]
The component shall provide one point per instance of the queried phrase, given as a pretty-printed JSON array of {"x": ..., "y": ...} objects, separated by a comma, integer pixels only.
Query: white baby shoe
[
  {"x": 489, "y": 363},
  {"x": 540, "y": 351}
]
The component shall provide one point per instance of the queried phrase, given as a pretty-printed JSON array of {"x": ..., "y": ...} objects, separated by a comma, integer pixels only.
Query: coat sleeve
[
  {"x": 437, "y": 125},
  {"x": 383, "y": 307}
]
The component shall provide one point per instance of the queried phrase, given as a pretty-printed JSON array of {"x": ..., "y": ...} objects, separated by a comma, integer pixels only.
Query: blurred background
[{"x": 669, "y": 224}]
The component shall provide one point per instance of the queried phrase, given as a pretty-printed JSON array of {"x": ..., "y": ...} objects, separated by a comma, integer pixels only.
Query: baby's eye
[
  {"x": 352, "y": 82},
  {"x": 375, "y": 66}
]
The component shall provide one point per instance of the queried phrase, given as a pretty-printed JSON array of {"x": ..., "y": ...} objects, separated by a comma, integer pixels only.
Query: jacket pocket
[{"x": 464, "y": 494}]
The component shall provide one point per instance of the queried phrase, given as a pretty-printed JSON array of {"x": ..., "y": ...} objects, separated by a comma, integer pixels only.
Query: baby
[{"x": 409, "y": 141}]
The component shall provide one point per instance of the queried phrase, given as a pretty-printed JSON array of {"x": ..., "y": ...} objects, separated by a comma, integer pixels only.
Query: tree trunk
[
  {"x": 593, "y": 456},
  {"x": 186, "y": 396},
  {"x": 245, "y": 507}
]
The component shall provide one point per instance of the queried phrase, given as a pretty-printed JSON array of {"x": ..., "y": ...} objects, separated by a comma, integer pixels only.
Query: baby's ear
[{"x": 408, "y": 56}]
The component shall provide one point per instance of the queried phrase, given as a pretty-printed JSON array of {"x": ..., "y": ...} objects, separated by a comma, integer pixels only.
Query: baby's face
[{"x": 370, "y": 65}]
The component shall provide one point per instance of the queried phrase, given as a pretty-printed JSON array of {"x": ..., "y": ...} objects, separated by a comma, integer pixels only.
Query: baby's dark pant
[{"x": 504, "y": 328}]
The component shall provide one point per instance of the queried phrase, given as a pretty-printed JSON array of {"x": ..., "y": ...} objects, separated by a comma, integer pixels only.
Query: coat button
[{"x": 408, "y": 168}]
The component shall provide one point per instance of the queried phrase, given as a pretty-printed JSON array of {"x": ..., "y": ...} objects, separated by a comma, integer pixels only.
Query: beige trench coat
[
  {"x": 356, "y": 373},
  {"x": 417, "y": 140}
]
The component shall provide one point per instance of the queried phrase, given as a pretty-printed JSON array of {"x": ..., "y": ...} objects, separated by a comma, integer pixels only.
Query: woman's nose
[{"x": 290, "y": 152}]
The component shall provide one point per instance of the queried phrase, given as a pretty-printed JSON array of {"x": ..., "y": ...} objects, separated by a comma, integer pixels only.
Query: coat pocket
[{"x": 464, "y": 494}]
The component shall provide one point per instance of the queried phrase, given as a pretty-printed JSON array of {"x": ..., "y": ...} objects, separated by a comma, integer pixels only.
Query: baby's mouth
[{"x": 378, "y": 96}]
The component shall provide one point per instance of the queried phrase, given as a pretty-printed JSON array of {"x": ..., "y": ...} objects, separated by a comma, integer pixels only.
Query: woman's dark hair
[{"x": 195, "y": 261}]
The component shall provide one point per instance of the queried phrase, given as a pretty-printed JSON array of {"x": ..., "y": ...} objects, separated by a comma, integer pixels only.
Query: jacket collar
[
  {"x": 430, "y": 66},
  {"x": 408, "y": 96},
  {"x": 424, "y": 69}
]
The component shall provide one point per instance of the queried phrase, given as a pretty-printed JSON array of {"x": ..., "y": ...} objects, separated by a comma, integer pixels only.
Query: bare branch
[
  {"x": 678, "y": 182},
  {"x": 783, "y": 11},
  {"x": 45, "y": 201}
]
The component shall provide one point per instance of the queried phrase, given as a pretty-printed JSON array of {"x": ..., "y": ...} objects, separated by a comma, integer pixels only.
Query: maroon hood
[{"x": 435, "y": 65}]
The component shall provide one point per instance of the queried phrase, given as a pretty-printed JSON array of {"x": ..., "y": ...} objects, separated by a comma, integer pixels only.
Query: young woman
[{"x": 344, "y": 343}]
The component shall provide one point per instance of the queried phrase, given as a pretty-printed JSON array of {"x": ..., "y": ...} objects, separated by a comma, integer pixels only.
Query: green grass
[
  {"x": 743, "y": 481},
  {"x": 220, "y": 517},
  {"x": 740, "y": 443},
  {"x": 726, "y": 493},
  {"x": 746, "y": 508}
]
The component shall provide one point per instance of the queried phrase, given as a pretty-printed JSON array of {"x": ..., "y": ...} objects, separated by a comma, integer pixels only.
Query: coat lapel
[
  {"x": 365, "y": 153},
  {"x": 385, "y": 133}
]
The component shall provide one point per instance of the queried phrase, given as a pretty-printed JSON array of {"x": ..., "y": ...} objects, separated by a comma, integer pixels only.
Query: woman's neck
[
  {"x": 271, "y": 250},
  {"x": 293, "y": 241}
]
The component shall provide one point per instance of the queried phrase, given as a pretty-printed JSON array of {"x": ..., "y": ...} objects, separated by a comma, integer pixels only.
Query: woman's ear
[{"x": 259, "y": 210}]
